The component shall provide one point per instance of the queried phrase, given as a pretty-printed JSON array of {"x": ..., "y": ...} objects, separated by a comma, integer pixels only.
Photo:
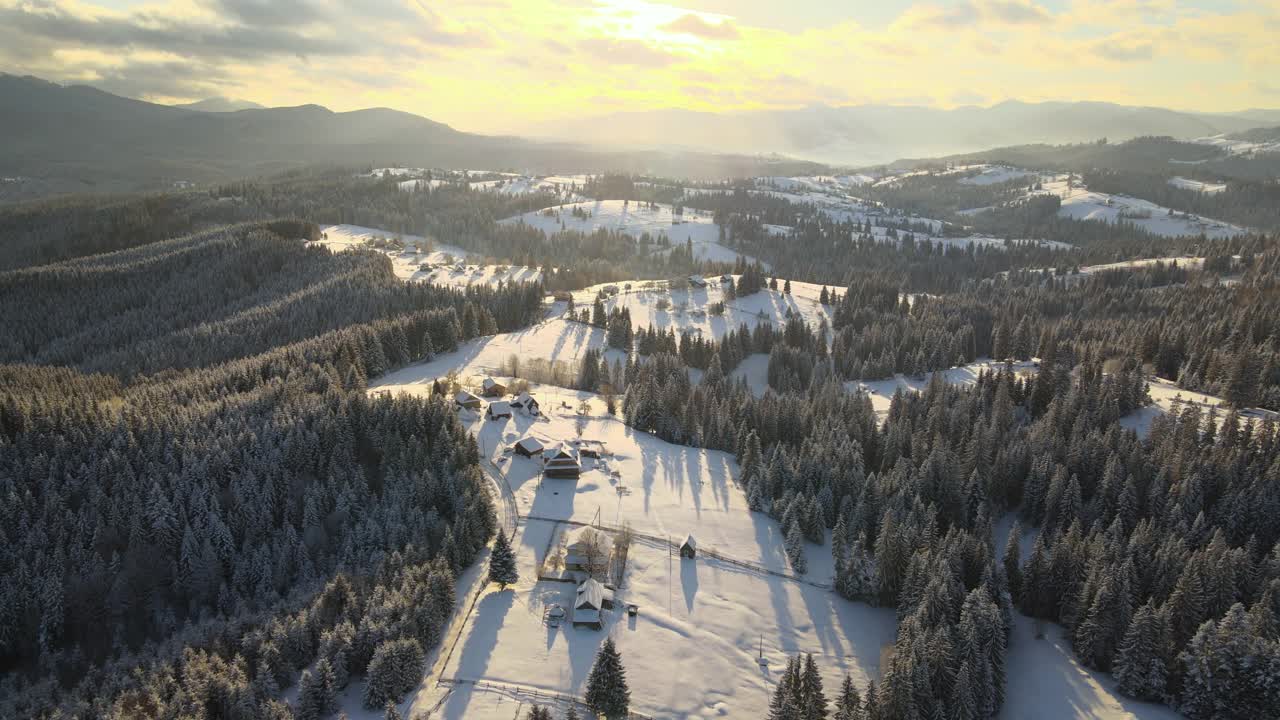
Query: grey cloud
[{"x": 626, "y": 52}]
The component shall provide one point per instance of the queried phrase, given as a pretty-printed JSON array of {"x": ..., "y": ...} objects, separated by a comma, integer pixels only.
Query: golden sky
[{"x": 507, "y": 65}]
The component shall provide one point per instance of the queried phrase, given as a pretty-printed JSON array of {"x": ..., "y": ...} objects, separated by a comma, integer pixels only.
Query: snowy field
[
  {"x": 1197, "y": 185},
  {"x": 1082, "y": 204},
  {"x": 634, "y": 219},
  {"x": 419, "y": 251}
]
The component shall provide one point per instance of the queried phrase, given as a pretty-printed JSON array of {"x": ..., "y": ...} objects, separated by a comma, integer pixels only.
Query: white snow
[{"x": 1197, "y": 185}]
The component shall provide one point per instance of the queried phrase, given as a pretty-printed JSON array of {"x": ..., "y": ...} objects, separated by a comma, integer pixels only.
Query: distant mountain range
[
  {"x": 874, "y": 134},
  {"x": 77, "y": 138}
]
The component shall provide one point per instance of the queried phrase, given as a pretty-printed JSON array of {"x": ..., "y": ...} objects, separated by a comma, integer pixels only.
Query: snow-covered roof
[
  {"x": 592, "y": 595},
  {"x": 524, "y": 400},
  {"x": 561, "y": 452},
  {"x": 463, "y": 397},
  {"x": 489, "y": 383},
  {"x": 499, "y": 407},
  {"x": 690, "y": 542},
  {"x": 697, "y": 280}
]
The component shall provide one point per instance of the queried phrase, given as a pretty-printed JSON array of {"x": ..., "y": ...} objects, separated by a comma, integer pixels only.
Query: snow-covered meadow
[
  {"x": 1083, "y": 204},
  {"x": 424, "y": 260}
]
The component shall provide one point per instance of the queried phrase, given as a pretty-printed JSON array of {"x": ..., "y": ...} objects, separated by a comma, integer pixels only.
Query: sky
[{"x": 512, "y": 65}]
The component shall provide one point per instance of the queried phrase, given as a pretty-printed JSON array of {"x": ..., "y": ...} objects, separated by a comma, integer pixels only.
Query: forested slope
[{"x": 179, "y": 512}]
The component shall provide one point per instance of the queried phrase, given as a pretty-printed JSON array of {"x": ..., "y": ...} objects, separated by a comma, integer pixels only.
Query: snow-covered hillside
[
  {"x": 635, "y": 219},
  {"x": 418, "y": 259},
  {"x": 1197, "y": 185},
  {"x": 1083, "y": 204}
]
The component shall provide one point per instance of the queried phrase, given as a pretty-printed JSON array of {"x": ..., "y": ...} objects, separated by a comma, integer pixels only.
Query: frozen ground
[
  {"x": 635, "y": 219},
  {"x": 1204, "y": 187},
  {"x": 418, "y": 251}
]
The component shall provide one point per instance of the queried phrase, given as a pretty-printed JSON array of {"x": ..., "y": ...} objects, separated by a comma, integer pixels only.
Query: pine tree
[
  {"x": 607, "y": 693},
  {"x": 795, "y": 549},
  {"x": 848, "y": 702},
  {"x": 502, "y": 562},
  {"x": 390, "y": 712},
  {"x": 1012, "y": 562},
  {"x": 395, "y": 669},
  {"x": 813, "y": 701}
]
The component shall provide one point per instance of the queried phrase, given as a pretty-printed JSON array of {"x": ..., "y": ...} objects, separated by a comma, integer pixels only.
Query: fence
[{"x": 533, "y": 693}]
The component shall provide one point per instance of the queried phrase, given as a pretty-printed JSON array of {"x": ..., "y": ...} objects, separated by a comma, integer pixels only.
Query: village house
[
  {"x": 527, "y": 403},
  {"x": 529, "y": 447},
  {"x": 697, "y": 281},
  {"x": 499, "y": 409},
  {"x": 592, "y": 599},
  {"x": 493, "y": 388},
  {"x": 561, "y": 461}
]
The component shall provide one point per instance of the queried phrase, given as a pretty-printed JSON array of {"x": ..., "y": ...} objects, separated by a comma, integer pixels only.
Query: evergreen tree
[
  {"x": 1142, "y": 665},
  {"x": 502, "y": 562},
  {"x": 848, "y": 702},
  {"x": 607, "y": 693}
]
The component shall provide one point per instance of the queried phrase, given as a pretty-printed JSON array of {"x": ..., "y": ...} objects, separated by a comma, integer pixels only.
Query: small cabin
[
  {"x": 527, "y": 403},
  {"x": 561, "y": 461},
  {"x": 466, "y": 400},
  {"x": 724, "y": 279},
  {"x": 529, "y": 447},
  {"x": 697, "y": 281},
  {"x": 499, "y": 409},
  {"x": 493, "y": 388},
  {"x": 689, "y": 549}
]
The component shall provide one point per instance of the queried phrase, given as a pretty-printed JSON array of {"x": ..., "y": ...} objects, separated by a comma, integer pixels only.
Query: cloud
[
  {"x": 616, "y": 51},
  {"x": 696, "y": 25}
]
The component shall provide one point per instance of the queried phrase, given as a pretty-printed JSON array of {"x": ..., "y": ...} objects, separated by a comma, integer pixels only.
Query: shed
[
  {"x": 493, "y": 388},
  {"x": 561, "y": 461},
  {"x": 465, "y": 399},
  {"x": 697, "y": 281},
  {"x": 499, "y": 409},
  {"x": 690, "y": 547},
  {"x": 529, "y": 447}
]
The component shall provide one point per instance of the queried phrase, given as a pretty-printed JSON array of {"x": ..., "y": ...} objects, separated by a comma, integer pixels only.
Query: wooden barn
[
  {"x": 529, "y": 447},
  {"x": 592, "y": 600},
  {"x": 527, "y": 403},
  {"x": 493, "y": 388},
  {"x": 689, "y": 548}
]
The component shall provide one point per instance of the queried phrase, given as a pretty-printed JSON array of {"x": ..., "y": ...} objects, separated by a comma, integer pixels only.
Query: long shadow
[
  {"x": 689, "y": 581},
  {"x": 486, "y": 621}
]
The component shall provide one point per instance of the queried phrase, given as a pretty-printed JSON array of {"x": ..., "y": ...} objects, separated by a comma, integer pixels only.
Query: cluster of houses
[{"x": 498, "y": 408}]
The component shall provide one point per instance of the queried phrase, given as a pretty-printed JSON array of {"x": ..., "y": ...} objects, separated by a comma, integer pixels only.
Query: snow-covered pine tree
[
  {"x": 396, "y": 668},
  {"x": 1142, "y": 664},
  {"x": 607, "y": 692},
  {"x": 502, "y": 563}
]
